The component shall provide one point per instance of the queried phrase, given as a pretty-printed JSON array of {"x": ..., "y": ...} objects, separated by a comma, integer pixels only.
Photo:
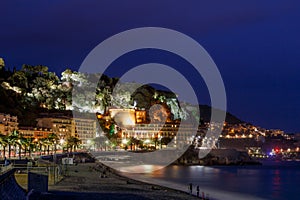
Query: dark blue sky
[{"x": 255, "y": 44}]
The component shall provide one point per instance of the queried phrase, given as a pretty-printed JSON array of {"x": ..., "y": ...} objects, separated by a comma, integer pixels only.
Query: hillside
[{"x": 33, "y": 90}]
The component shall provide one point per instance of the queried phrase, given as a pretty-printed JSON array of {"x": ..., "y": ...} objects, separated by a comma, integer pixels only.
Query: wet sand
[{"x": 94, "y": 181}]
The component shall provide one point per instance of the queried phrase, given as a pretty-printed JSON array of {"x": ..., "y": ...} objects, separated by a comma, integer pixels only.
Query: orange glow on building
[{"x": 140, "y": 116}]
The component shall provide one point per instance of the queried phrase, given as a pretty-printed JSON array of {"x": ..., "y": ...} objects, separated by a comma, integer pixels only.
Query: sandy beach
[{"x": 95, "y": 181}]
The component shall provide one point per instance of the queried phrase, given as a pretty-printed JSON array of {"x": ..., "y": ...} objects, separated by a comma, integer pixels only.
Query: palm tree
[
  {"x": 30, "y": 145},
  {"x": 12, "y": 140},
  {"x": 23, "y": 143},
  {"x": 36, "y": 145},
  {"x": 3, "y": 142},
  {"x": 133, "y": 142},
  {"x": 17, "y": 142},
  {"x": 76, "y": 142},
  {"x": 43, "y": 145},
  {"x": 73, "y": 142},
  {"x": 52, "y": 140}
]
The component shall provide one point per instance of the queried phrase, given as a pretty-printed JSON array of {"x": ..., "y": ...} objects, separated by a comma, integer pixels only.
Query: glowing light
[
  {"x": 61, "y": 141},
  {"x": 147, "y": 141},
  {"x": 123, "y": 117}
]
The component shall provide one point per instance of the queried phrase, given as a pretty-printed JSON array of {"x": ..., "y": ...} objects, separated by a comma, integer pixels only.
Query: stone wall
[{"x": 9, "y": 189}]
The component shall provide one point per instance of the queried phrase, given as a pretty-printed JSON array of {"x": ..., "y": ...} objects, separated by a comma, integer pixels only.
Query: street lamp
[
  {"x": 160, "y": 137},
  {"x": 106, "y": 143},
  {"x": 54, "y": 155},
  {"x": 124, "y": 141},
  {"x": 147, "y": 141}
]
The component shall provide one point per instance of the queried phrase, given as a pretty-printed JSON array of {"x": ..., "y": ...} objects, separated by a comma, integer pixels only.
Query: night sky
[{"x": 255, "y": 44}]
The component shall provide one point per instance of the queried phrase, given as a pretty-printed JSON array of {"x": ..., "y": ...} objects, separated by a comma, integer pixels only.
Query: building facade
[
  {"x": 178, "y": 135},
  {"x": 36, "y": 133},
  {"x": 8, "y": 123},
  {"x": 134, "y": 124},
  {"x": 65, "y": 127},
  {"x": 85, "y": 129}
]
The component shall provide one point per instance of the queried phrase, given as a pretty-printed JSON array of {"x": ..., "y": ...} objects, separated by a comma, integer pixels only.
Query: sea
[{"x": 273, "y": 180}]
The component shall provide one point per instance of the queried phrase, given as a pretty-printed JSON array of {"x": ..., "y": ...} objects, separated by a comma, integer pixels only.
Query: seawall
[{"x": 9, "y": 189}]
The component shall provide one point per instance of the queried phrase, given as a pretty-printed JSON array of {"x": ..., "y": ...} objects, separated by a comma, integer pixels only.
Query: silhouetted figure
[
  {"x": 6, "y": 162},
  {"x": 191, "y": 188},
  {"x": 198, "y": 190}
]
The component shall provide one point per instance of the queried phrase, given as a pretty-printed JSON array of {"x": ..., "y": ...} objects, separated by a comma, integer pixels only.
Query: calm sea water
[{"x": 271, "y": 181}]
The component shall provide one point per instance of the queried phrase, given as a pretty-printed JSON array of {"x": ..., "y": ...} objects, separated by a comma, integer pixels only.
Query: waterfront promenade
[{"x": 92, "y": 181}]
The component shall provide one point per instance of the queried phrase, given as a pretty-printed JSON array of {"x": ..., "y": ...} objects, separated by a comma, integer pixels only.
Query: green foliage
[
  {"x": 73, "y": 143},
  {"x": 112, "y": 129},
  {"x": 2, "y": 64},
  {"x": 34, "y": 89}
]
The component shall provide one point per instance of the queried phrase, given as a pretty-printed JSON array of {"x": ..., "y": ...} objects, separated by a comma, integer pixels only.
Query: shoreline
[
  {"x": 132, "y": 177},
  {"x": 98, "y": 181}
]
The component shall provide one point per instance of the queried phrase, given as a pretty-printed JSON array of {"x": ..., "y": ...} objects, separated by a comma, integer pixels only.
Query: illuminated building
[
  {"x": 123, "y": 117},
  {"x": 8, "y": 123},
  {"x": 64, "y": 127},
  {"x": 133, "y": 124},
  {"x": 140, "y": 116},
  {"x": 85, "y": 129},
  {"x": 157, "y": 131},
  {"x": 36, "y": 133},
  {"x": 61, "y": 126}
]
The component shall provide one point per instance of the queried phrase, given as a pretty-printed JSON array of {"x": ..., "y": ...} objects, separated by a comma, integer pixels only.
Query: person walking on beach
[
  {"x": 198, "y": 190},
  {"x": 191, "y": 188}
]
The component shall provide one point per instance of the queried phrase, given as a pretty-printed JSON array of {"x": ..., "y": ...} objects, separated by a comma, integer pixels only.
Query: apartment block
[
  {"x": 32, "y": 132},
  {"x": 8, "y": 123}
]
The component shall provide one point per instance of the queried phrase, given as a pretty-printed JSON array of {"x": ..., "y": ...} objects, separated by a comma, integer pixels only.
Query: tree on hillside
[
  {"x": 19, "y": 79},
  {"x": 2, "y": 64}
]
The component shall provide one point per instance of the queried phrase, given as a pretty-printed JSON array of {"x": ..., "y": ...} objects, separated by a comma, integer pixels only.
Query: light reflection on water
[
  {"x": 276, "y": 183},
  {"x": 268, "y": 182}
]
